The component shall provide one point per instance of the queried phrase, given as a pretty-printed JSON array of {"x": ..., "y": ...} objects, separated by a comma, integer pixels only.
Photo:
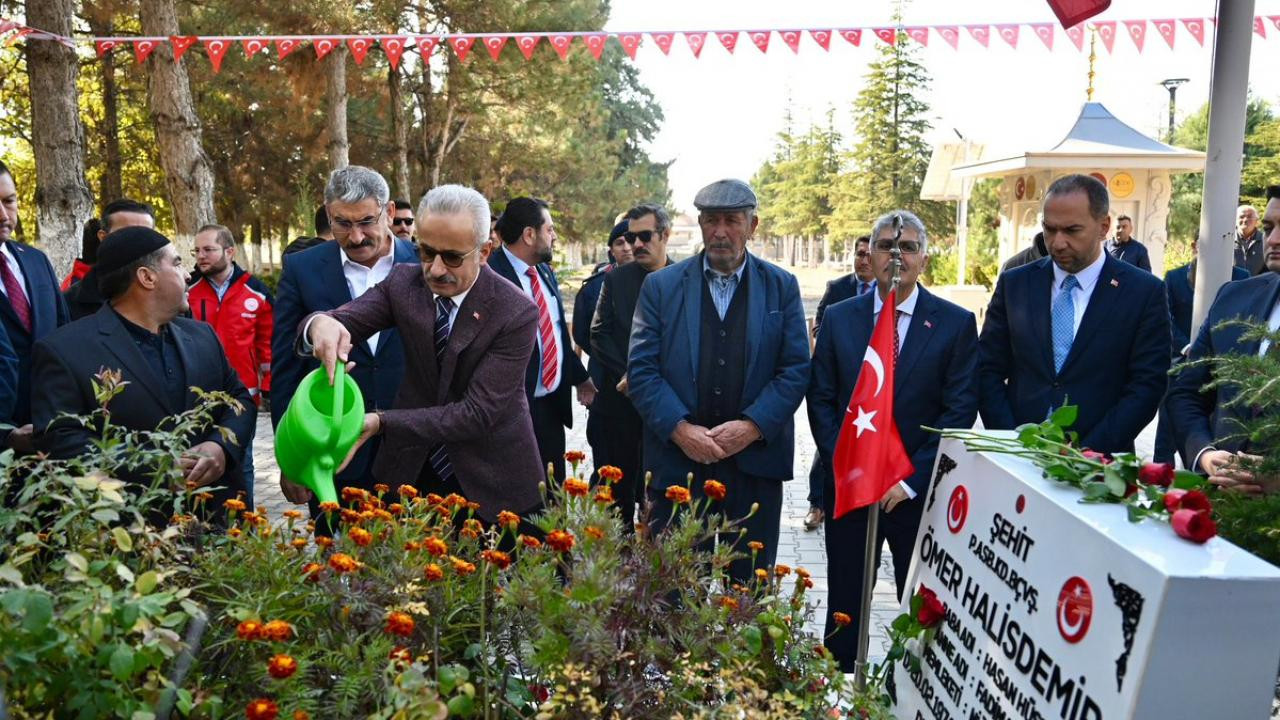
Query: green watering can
[{"x": 319, "y": 428}]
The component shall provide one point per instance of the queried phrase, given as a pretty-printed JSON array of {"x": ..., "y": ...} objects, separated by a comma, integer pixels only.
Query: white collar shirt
[
  {"x": 361, "y": 278},
  {"x": 1088, "y": 279}
]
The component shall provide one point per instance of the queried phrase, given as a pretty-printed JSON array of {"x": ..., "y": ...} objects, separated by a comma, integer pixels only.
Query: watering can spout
[{"x": 318, "y": 430}]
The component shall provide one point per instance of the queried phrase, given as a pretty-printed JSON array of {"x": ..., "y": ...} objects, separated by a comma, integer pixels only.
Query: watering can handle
[{"x": 339, "y": 389}]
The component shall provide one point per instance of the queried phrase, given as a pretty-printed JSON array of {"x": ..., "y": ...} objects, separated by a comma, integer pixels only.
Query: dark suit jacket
[
  {"x": 934, "y": 380},
  {"x": 571, "y": 370},
  {"x": 1201, "y": 417},
  {"x": 1028, "y": 255},
  {"x": 8, "y": 377},
  {"x": 67, "y": 360},
  {"x": 474, "y": 402},
  {"x": 663, "y": 365},
  {"x": 1254, "y": 260},
  {"x": 1115, "y": 374},
  {"x": 611, "y": 327},
  {"x": 842, "y": 288},
  {"x": 1132, "y": 252},
  {"x": 48, "y": 313},
  {"x": 312, "y": 281},
  {"x": 1177, "y": 283}
]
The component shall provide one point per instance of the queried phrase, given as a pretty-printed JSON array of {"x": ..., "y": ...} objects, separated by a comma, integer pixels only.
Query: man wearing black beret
[{"x": 161, "y": 356}]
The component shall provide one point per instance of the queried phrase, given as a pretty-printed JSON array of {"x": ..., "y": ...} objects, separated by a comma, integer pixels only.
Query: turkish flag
[
  {"x": 869, "y": 457},
  {"x": 1074, "y": 12}
]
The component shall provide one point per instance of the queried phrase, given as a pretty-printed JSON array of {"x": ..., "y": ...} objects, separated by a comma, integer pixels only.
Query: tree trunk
[
  {"x": 400, "y": 131},
  {"x": 63, "y": 200},
  {"x": 255, "y": 232},
  {"x": 336, "y": 88},
  {"x": 109, "y": 188},
  {"x": 813, "y": 251},
  {"x": 188, "y": 173}
]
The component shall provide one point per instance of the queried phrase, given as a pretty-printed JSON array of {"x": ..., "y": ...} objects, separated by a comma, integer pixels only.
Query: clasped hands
[
  {"x": 1229, "y": 471},
  {"x": 707, "y": 445}
]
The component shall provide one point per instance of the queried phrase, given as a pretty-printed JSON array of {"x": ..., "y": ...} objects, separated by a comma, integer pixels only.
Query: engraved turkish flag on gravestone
[{"x": 869, "y": 457}]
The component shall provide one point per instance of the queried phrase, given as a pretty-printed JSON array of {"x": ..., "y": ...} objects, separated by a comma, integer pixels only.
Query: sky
[{"x": 723, "y": 112}]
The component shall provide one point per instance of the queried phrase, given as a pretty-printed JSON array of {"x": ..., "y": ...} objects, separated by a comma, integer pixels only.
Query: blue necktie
[
  {"x": 1064, "y": 322},
  {"x": 439, "y": 456}
]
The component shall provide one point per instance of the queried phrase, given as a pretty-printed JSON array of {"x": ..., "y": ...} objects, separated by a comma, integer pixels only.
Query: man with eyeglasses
[
  {"x": 327, "y": 276},
  {"x": 936, "y": 357},
  {"x": 402, "y": 220},
  {"x": 648, "y": 230}
]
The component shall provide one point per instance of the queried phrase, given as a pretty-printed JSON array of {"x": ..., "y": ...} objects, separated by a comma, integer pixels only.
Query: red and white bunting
[
  {"x": 527, "y": 43},
  {"x": 1137, "y": 31},
  {"x": 981, "y": 33},
  {"x": 494, "y": 44},
  {"x": 394, "y": 48},
  {"x": 255, "y": 46},
  {"x": 426, "y": 44},
  {"x": 1275, "y": 20},
  {"x": 888, "y": 35},
  {"x": 791, "y": 38},
  {"x": 1107, "y": 31},
  {"x": 217, "y": 49},
  {"x": 561, "y": 43},
  {"x": 1195, "y": 26},
  {"x": 919, "y": 34},
  {"x": 1008, "y": 33},
  {"x": 142, "y": 49},
  {"x": 854, "y": 36},
  {"x": 696, "y": 42},
  {"x": 102, "y": 47},
  {"x": 760, "y": 38},
  {"x": 1259, "y": 27},
  {"x": 1076, "y": 35},
  {"x": 180, "y": 44},
  {"x": 595, "y": 43},
  {"x": 359, "y": 48},
  {"x": 1167, "y": 29},
  {"x": 630, "y": 43},
  {"x": 823, "y": 38},
  {"x": 663, "y": 41},
  {"x": 462, "y": 46},
  {"x": 951, "y": 34},
  {"x": 728, "y": 39},
  {"x": 285, "y": 46},
  {"x": 324, "y": 46},
  {"x": 1044, "y": 31},
  {"x": 21, "y": 33}
]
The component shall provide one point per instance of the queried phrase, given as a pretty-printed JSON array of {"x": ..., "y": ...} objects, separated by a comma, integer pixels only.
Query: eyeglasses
[
  {"x": 642, "y": 236},
  {"x": 402, "y": 221},
  {"x": 862, "y": 254},
  {"x": 345, "y": 226},
  {"x": 907, "y": 247},
  {"x": 428, "y": 255}
]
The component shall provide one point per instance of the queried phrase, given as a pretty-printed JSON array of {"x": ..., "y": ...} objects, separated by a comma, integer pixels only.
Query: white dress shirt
[
  {"x": 457, "y": 304},
  {"x": 1273, "y": 322},
  {"x": 1088, "y": 279},
  {"x": 905, "y": 309},
  {"x": 360, "y": 278},
  {"x": 520, "y": 267},
  {"x": 8, "y": 258}
]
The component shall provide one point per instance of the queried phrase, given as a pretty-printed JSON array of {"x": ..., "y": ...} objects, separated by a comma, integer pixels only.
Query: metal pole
[
  {"x": 1228, "y": 97},
  {"x": 1173, "y": 103}
]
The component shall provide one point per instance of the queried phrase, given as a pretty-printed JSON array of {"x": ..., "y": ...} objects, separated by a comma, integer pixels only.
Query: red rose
[
  {"x": 1156, "y": 474},
  {"x": 932, "y": 610},
  {"x": 1175, "y": 500},
  {"x": 1194, "y": 525},
  {"x": 1097, "y": 457}
]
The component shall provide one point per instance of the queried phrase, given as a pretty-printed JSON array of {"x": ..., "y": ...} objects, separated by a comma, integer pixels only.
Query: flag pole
[{"x": 869, "y": 567}]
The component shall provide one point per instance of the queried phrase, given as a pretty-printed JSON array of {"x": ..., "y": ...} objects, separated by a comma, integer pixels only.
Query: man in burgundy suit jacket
[{"x": 468, "y": 335}]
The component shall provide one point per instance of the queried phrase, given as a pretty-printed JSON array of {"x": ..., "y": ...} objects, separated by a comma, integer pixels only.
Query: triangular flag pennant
[
  {"x": 394, "y": 48},
  {"x": 888, "y": 35},
  {"x": 1076, "y": 33},
  {"x": 1195, "y": 26},
  {"x": 1275, "y": 20},
  {"x": 285, "y": 46},
  {"x": 663, "y": 41},
  {"x": 561, "y": 43},
  {"x": 22, "y": 32},
  {"x": 7, "y": 25},
  {"x": 1044, "y": 31},
  {"x": 527, "y": 43},
  {"x": 919, "y": 34},
  {"x": 180, "y": 44},
  {"x": 1138, "y": 31},
  {"x": 462, "y": 46},
  {"x": 1259, "y": 27},
  {"x": 729, "y": 40},
  {"x": 426, "y": 43},
  {"x": 253, "y": 46},
  {"x": 823, "y": 38},
  {"x": 494, "y": 44},
  {"x": 217, "y": 49},
  {"x": 595, "y": 43},
  {"x": 951, "y": 34},
  {"x": 359, "y": 48},
  {"x": 791, "y": 38},
  {"x": 101, "y": 46},
  {"x": 760, "y": 38},
  {"x": 1107, "y": 31},
  {"x": 630, "y": 41},
  {"x": 1167, "y": 29},
  {"x": 324, "y": 46},
  {"x": 854, "y": 36},
  {"x": 696, "y": 41},
  {"x": 1008, "y": 33},
  {"x": 981, "y": 33},
  {"x": 142, "y": 49}
]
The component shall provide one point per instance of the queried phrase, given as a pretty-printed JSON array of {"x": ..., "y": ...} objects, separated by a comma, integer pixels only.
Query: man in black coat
[{"x": 161, "y": 355}]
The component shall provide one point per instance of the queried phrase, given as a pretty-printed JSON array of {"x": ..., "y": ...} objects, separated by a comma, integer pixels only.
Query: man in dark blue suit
[
  {"x": 528, "y": 237},
  {"x": 1078, "y": 328},
  {"x": 31, "y": 307},
  {"x": 1125, "y": 248},
  {"x": 705, "y": 410},
  {"x": 933, "y": 386},
  {"x": 328, "y": 276},
  {"x": 8, "y": 377},
  {"x": 1206, "y": 423}
]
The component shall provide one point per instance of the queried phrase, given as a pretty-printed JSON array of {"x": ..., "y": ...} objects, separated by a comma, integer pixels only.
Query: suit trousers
[
  {"x": 622, "y": 445},
  {"x": 548, "y": 429}
]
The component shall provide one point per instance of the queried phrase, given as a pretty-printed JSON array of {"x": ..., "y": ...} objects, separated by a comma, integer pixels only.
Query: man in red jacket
[{"x": 239, "y": 307}]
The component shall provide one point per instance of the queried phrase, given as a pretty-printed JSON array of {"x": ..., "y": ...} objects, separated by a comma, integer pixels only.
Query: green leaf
[
  {"x": 755, "y": 642},
  {"x": 147, "y": 582},
  {"x": 448, "y": 679},
  {"x": 123, "y": 539},
  {"x": 1137, "y": 513},
  {"x": 124, "y": 572},
  {"x": 77, "y": 561},
  {"x": 1065, "y": 416},
  {"x": 106, "y": 516},
  {"x": 1096, "y": 491},
  {"x": 121, "y": 662},
  {"x": 11, "y": 574},
  {"x": 775, "y": 632},
  {"x": 896, "y": 653},
  {"x": 1115, "y": 484},
  {"x": 461, "y": 706},
  {"x": 37, "y": 612},
  {"x": 1187, "y": 480}
]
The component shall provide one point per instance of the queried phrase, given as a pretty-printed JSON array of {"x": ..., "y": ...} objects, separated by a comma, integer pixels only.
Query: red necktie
[
  {"x": 546, "y": 332},
  {"x": 896, "y": 344},
  {"x": 17, "y": 296}
]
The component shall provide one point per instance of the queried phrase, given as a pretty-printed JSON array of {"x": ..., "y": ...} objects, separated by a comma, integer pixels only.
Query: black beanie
[{"x": 125, "y": 246}]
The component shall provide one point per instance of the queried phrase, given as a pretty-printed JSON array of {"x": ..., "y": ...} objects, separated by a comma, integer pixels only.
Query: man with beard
[
  {"x": 528, "y": 235},
  {"x": 648, "y": 230},
  {"x": 238, "y": 306},
  {"x": 402, "y": 220},
  {"x": 1125, "y": 248},
  {"x": 83, "y": 298}
]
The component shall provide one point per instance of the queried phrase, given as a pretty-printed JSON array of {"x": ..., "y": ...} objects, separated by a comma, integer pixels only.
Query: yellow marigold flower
[
  {"x": 395, "y": 509},
  {"x": 594, "y": 532},
  {"x": 360, "y": 536},
  {"x": 261, "y": 709},
  {"x": 433, "y": 572},
  {"x": 610, "y": 473},
  {"x": 329, "y": 507},
  {"x": 530, "y": 542},
  {"x": 728, "y": 602},
  {"x": 841, "y": 619},
  {"x": 367, "y": 515},
  {"x": 277, "y": 630},
  {"x": 343, "y": 563},
  {"x": 324, "y": 541},
  {"x": 399, "y": 623},
  {"x": 281, "y": 666},
  {"x": 678, "y": 494},
  {"x": 755, "y": 546},
  {"x": 298, "y": 543},
  {"x": 604, "y": 495},
  {"x": 506, "y": 518},
  {"x": 291, "y": 515},
  {"x": 312, "y": 571},
  {"x": 408, "y": 492},
  {"x": 381, "y": 489},
  {"x": 234, "y": 532},
  {"x": 249, "y": 630},
  {"x": 575, "y": 456},
  {"x": 301, "y": 715},
  {"x": 575, "y": 487},
  {"x": 497, "y": 558},
  {"x": 462, "y": 567},
  {"x": 781, "y": 570},
  {"x": 455, "y": 500},
  {"x": 560, "y": 540},
  {"x": 435, "y": 546},
  {"x": 714, "y": 489},
  {"x": 233, "y": 504},
  {"x": 204, "y": 497},
  {"x": 434, "y": 499},
  {"x": 471, "y": 528}
]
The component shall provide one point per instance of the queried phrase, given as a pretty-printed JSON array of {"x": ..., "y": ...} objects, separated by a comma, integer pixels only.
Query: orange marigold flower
[
  {"x": 324, "y": 541},
  {"x": 462, "y": 567},
  {"x": 739, "y": 588},
  {"x": 360, "y": 536},
  {"x": 343, "y": 563},
  {"x": 395, "y": 509},
  {"x": 249, "y": 630},
  {"x": 281, "y": 666},
  {"x": 412, "y": 545},
  {"x": 678, "y": 494},
  {"x": 808, "y": 584},
  {"x": 575, "y": 456},
  {"x": 473, "y": 506},
  {"x": 506, "y": 518},
  {"x": 455, "y": 500},
  {"x": 610, "y": 473},
  {"x": 291, "y": 515},
  {"x": 328, "y": 507},
  {"x": 433, "y": 572},
  {"x": 594, "y": 532},
  {"x": 204, "y": 497},
  {"x": 728, "y": 602},
  {"x": 312, "y": 571},
  {"x": 714, "y": 489},
  {"x": 497, "y": 558},
  {"x": 234, "y": 532},
  {"x": 531, "y": 542},
  {"x": 435, "y": 546},
  {"x": 781, "y": 570},
  {"x": 471, "y": 528},
  {"x": 576, "y": 487},
  {"x": 261, "y": 709},
  {"x": 233, "y": 504},
  {"x": 407, "y": 491},
  {"x": 353, "y": 494},
  {"x": 277, "y": 630},
  {"x": 383, "y": 515},
  {"x": 604, "y": 495},
  {"x": 399, "y": 623},
  {"x": 841, "y": 619},
  {"x": 349, "y": 516},
  {"x": 560, "y": 540},
  {"x": 381, "y": 489},
  {"x": 301, "y": 715},
  {"x": 400, "y": 653},
  {"x": 434, "y": 499},
  {"x": 298, "y": 543},
  {"x": 755, "y": 546},
  {"x": 801, "y": 572},
  {"x": 762, "y": 575}
]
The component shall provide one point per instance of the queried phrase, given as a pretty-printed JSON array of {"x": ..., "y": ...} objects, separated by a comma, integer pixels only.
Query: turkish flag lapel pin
[
  {"x": 1115, "y": 282},
  {"x": 928, "y": 324}
]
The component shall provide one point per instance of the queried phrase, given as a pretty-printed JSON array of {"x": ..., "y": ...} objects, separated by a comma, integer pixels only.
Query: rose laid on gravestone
[
  {"x": 1156, "y": 474},
  {"x": 932, "y": 611},
  {"x": 1194, "y": 525}
]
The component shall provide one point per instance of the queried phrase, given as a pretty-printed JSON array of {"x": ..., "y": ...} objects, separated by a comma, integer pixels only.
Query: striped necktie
[
  {"x": 439, "y": 456},
  {"x": 546, "y": 333}
]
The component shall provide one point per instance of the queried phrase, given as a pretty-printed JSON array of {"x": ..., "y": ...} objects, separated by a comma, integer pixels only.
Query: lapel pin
[
  {"x": 475, "y": 315},
  {"x": 1115, "y": 282},
  {"x": 928, "y": 324}
]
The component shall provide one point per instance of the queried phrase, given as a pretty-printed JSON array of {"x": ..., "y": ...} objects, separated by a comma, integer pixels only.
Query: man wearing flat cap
[
  {"x": 718, "y": 364},
  {"x": 161, "y": 356}
]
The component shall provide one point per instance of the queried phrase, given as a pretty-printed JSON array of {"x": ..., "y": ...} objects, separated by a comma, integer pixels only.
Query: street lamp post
[{"x": 1172, "y": 85}]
